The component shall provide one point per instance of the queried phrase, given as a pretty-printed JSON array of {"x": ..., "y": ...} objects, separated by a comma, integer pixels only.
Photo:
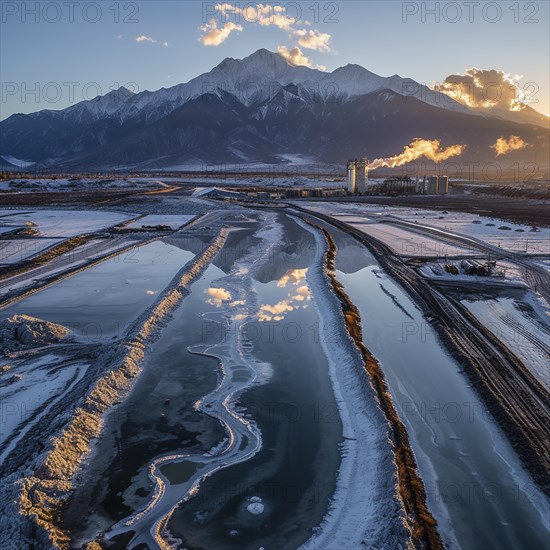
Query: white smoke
[
  {"x": 503, "y": 146},
  {"x": 418, "y": 148}
]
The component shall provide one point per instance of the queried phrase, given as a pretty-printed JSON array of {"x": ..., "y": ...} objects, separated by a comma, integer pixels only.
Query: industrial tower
[{"x": 358, "y": 176}]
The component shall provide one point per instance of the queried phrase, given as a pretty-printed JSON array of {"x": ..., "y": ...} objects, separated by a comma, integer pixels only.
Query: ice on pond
[{"x": 256, "y": 506}]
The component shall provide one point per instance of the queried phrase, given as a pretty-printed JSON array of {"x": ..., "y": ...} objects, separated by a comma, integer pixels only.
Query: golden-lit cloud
[
  {"x": 218, "y": 296},
  {"x": 294, "y": 56},
  {"x": 313, "y": 40},
  {"x": 214, "y": 35},
  {"x": 503, "y": 146},
  {"x": 485, "y": 88},
  {"x": 418, "y": 148},
  {"x": 234, "y": 17}
]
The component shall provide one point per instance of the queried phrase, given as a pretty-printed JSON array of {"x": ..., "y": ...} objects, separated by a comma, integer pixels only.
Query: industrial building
[
  {"x": 216, "y": 193},
  {"x": 443, "y": 185},
  {"x": 432, "y": 185},
  {"x": 427, "y": 185},
  {"x": 357, "y": 176},
  {"x": 358, "y": 181}
]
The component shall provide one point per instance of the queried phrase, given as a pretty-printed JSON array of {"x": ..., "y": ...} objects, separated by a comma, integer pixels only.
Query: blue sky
[{"x": 92, "y": 47}]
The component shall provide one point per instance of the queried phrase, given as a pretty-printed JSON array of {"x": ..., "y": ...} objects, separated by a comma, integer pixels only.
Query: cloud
[
  {"x": 144, "y": 38},
  {"x": 214, "y": 36},
  {"x": 119, "y": 36},
  {"x": 485, "y": 88},
  {"x": 313, "y": 40},
  {"x": 218, "y": 296},
  {"x": 418, "y": 148},
  {"x": 266, "y": 15},
  {"x": 294, "y": 56},
  {"x": 513, "y": 143}
]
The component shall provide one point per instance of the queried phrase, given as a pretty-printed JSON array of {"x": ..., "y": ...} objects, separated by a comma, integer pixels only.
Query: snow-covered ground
[
  {"x": 17, "y": 162},
  {"x": 509, "y": 236},
  {"x": 152, "y": 220},
  {"x": 503, "y": 273},
  {"x": 410, "y": 244},
  {"x": 14, "y": 251},
  {"x": 291, "y": 180},
  {"x": 68, "y": 223},
  {"x": 524, "y": 334},
  {"x": 9, "y": 228},
  {"x": 38, "y": 384},
  {"x": 78, "y": 184},
  {"x": 6, "y": 214}
]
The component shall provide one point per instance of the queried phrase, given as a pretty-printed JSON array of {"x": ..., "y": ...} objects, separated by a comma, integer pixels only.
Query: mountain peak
[
  {"x": 119, "y": 93},
  {"x": 262, "y": 54},
  {"x": 267, "y": 57},
  {"x": 261, "y": 57}
]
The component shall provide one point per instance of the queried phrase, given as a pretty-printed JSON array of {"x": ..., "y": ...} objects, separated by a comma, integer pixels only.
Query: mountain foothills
[{"x": 261, "y": 109}]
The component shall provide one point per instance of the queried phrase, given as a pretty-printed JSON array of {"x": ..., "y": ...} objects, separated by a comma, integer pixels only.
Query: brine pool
[{"x": 98, "y": 304}]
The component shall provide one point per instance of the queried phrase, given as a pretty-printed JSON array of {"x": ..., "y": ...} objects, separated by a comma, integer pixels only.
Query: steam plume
[
  {"x": 417, "y": 148},
  {"x": 513, "y": 143}
]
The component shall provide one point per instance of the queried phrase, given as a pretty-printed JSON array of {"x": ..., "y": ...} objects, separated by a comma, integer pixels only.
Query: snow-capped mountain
[{"x": 263, "y": 107}]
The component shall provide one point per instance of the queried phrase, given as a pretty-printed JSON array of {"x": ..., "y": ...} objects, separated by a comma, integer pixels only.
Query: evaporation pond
[{"x": 99, "y": 302}]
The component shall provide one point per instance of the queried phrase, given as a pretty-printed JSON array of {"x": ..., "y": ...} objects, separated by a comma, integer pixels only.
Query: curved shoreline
[{"x": 166, "y": 498}]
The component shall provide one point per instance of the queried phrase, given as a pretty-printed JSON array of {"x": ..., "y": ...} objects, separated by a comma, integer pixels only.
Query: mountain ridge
[{"x": 268, "y": 93}]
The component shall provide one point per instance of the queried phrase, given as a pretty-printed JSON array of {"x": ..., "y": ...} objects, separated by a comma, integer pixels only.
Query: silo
[
  {"x": 432, "y": 185},
  {"x": 352, "y": 177},
  {"x": 443, "y": 185},
  {"x": 362, "y": 177}
]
